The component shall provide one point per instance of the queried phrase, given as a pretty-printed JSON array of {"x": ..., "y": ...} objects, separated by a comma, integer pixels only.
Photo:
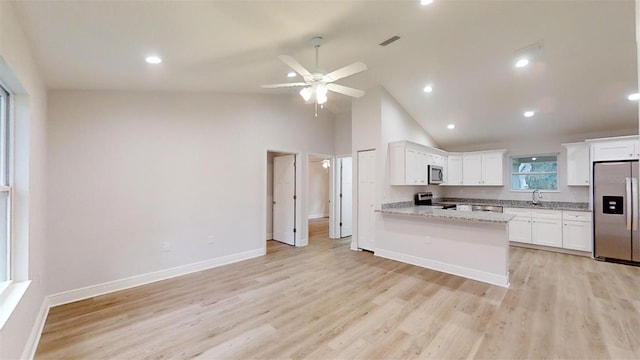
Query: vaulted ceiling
[{"x": 582, "y": 55}]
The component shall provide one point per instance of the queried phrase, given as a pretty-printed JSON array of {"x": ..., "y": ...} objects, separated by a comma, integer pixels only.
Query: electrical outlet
[
  {"x": 166, "y": 246},
  {"x": 210, "y": 240},
  {"x": 428, "y": 240}
]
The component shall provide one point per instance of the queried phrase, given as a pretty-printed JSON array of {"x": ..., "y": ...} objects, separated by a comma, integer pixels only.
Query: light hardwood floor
[{"x": 328, "y": 302}]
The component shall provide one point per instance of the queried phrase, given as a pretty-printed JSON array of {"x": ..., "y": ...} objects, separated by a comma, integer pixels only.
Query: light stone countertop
[
  {"x": 438, "y": 212},
  {"x": 525, "y": 204}
]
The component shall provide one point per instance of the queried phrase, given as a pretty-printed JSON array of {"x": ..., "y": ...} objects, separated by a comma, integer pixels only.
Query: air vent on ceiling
[
  {"x": 537, "y": 46},
  {"x": 390, "y": 40}
]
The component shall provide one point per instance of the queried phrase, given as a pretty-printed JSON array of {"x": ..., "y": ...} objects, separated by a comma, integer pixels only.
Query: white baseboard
[
  {"x": 117, "y": 285},
  {"x": 302, "y": 242},
  {"x": 486, "y": 277},
  {"x": 36, "y": 331},
  {"x": 270, "y": 236}
]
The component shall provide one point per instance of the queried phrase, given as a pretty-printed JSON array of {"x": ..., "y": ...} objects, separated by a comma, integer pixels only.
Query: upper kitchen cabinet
[
  {"x": 408, "y": 162},
  {"x": 577, "y": 164},
  {"x": 483, "y": 168},
  {"x": 618, "y": 148},
  {"x": 454, "y": 169}
]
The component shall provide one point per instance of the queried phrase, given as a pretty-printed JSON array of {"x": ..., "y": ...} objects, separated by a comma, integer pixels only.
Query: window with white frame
[
  {"x": 5, "y": 187},
  {"x": 534, "y": 172}
]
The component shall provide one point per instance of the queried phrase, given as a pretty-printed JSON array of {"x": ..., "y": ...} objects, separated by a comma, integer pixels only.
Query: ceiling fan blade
[
  {"x": 295, "y": 65},
  {"x": 345, "y": 90},
  {"x": 344, "y": 72},
  {"x": 273, "y": 86}
]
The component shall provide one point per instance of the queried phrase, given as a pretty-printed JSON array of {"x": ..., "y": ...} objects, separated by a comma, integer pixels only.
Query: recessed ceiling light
[
  {"x": 153, "y": 59},
  {"x": 529, "y": 113},
  {"x": 451, "y": 126},
  {"x": 291, "y": 74},
  {"x": 426, "y": 2},
  {"x": 428, "y": 89},
  {"x": 522, "y": 63},
  {"x": 634, "y": 97}
]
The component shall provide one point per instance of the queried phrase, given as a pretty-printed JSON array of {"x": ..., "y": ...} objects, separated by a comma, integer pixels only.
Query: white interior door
[
  {"x": 366, "y": 196},
  {"x": 284, "y": 210},
  {"x": 346, "y": 196}
]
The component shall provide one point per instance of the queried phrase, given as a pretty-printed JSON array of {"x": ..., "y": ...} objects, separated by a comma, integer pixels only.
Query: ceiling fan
[{"x": 316, "y": 85}]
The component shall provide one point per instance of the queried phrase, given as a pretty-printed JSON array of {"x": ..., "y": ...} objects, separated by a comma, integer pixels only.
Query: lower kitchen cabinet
[
  {"x": 519, "y": 226},
  {"x": 547, "y": 232},
  {"x": 576, "y": 231},
  {"x": 554, "y": 228}
]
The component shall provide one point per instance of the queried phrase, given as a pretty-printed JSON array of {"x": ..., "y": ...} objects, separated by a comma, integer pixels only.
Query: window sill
[{"x": 9, "y": 299}]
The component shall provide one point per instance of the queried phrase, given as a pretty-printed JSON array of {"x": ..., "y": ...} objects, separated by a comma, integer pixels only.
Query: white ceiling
[{"x": 577, "y": 83}]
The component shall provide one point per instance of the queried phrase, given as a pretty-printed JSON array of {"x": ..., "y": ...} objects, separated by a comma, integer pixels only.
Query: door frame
[
  {"x": 332, "y": 191},
  {"x": 356, "y": 208},
  {"x": 299, "y": 213},
  {"x": 335, "y": 224}
]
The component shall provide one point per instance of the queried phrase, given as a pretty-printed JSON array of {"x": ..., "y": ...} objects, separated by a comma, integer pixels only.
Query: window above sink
[{"x": 534, "y": 172}]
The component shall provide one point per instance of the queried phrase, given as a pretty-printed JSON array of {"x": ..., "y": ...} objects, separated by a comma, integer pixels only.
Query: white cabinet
[
  {"x": 492, "y": 168},
  {"x": 408, "y": 162},
  {"x": 576, "y": 230},
  {"x": 621, "y": 148},
  {"x": 578, "y": 164},
  {"x": 546, "y": 227},
  {"x": 555, "y": 228},
  {"x": 482, "y": 168},
  {"x": 471, "y": 169},
  {"x": 454, "y": 169},
  {"x": 540, "y": 227},
  {"x": 415, "y": 168},
  {"x": 520, "y": 226}
]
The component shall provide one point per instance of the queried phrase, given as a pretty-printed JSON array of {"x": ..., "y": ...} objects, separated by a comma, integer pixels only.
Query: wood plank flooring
[{"x": 325, "y": 301}]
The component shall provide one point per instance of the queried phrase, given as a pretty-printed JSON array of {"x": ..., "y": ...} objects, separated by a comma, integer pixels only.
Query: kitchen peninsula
[{"x": 474, "y": 245}]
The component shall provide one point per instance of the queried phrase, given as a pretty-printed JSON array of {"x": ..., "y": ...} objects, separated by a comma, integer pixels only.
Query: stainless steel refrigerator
[{"x": 615, "y": 210}]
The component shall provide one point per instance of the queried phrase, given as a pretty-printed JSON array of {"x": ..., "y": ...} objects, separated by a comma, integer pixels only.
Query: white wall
[
  {"x": 397, "y": 125},
  {"x": 30, "y": 179},
  {"x": 318, "y": 205},
  {"x": 530, "y": 147},
  {"x": 343, "y": 134},
  {"x": 377, "y": 119},
  {"x": 133, "y": 170}
]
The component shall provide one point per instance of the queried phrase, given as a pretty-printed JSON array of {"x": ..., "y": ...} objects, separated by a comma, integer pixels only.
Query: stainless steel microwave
[{"x": 436, "y": 175}]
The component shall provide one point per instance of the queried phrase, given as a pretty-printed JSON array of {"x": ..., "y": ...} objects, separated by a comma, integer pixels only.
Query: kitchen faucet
[{"x": 535, "y": 196}]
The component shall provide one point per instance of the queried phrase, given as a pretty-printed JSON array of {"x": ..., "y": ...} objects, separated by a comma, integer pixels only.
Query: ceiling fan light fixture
[
  {"x": 321, "y": 98},
  {"x": 306, "y": 93},
  {"x": 321, "y": 90}
]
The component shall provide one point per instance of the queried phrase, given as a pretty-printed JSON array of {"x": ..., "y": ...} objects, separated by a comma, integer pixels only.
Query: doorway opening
[{"x": 319, "y": 191}]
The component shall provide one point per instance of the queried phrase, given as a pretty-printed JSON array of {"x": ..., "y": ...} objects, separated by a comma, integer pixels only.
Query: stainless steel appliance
[
  {"x": 615, "y": 210},
  {"x": 469, "y": 207},
  {"x": 436, "y": 175},
  {"x": 423, "y": 198}
]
